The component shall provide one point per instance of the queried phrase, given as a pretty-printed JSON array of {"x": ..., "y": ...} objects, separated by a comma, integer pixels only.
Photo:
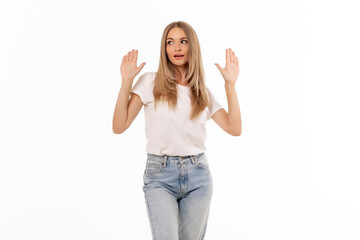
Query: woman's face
[{"x": 177, "y": 44}]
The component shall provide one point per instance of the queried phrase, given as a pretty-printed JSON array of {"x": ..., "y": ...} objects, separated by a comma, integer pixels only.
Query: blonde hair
[{"x": 165, "y": 88}]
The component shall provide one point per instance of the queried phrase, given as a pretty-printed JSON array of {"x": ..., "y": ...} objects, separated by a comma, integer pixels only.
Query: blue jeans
[{"x": 178, "y": 191}]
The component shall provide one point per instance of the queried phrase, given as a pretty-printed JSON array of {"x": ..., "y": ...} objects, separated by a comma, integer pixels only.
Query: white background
[{"x": 292, "y": 174}]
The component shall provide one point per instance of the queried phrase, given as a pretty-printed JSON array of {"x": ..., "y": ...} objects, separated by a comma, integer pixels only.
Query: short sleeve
[
  {"x": 214, "y": 104},
  {"x": 141, "y": 87}
]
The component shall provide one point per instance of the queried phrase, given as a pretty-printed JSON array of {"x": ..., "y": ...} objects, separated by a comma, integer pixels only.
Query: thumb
[
  {"x": 141, "y": 66},
  {"x": 218, "y": 66}
]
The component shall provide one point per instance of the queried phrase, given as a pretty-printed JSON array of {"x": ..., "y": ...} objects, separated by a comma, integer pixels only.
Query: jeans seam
[
  {"x": 204, "y": 230},
  {"x": 202, "y": 166},
  {"x": 151, "y": 218}
]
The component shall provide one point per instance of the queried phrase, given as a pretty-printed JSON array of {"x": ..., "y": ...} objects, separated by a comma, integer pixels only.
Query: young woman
[{"x": 177, "y": 179}]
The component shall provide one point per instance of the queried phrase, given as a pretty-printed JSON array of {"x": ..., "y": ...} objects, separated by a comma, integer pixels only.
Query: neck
[{"x": 182, "y": 77}]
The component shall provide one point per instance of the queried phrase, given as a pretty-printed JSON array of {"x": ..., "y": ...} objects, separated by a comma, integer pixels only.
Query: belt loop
[
  {"x": 164, "y": 162},
  {"x": 192, "y": 159}
]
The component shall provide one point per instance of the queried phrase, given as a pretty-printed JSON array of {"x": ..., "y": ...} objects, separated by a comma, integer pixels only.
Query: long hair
[{"x": 165, "y": 88}]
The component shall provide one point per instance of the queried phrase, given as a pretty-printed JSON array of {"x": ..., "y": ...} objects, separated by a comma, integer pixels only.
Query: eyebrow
[{"x": 180, "y": 38}]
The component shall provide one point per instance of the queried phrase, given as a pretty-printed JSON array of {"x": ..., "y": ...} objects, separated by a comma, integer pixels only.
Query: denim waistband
[{"x": 163, "y": 158}]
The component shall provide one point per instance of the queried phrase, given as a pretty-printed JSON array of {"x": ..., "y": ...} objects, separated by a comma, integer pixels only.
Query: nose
[{"x": 177, "y": 46}]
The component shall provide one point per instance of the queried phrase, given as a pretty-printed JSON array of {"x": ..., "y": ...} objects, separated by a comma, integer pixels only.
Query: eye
[{"x": 168, "y": 42}]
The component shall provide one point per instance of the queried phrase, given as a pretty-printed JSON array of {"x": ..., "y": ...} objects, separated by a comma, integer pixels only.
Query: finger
[
  {"x": 124, "y": 58},
  {"x": 227, "y": 56},
  {"x": 234, "y": 57},
  {"x": 132, "y": 55},
  {"x": 141, "y": 66},
  {"x": 136, "y": 56},
  {"x": 218, "y": 66},
  {"x": 231, "y": 55},
  {"x": 237, "y": 61},
  {"x": 128, "y": 57}
]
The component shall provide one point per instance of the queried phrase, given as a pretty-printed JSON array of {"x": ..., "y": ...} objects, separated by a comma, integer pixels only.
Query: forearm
[
  {"x": 121, "y": 107},
  {"x": 234, "y": 116}
]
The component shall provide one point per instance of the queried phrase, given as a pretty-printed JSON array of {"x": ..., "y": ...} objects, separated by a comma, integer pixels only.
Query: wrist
[
  {"x": 229, "y": 84},
  {"x": 127, "y": 81}
]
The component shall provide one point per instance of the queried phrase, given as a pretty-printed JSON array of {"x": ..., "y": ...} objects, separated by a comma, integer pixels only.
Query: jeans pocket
[
  {"x": 153, "y": 166},
  {"x": 202, "y": 161}
]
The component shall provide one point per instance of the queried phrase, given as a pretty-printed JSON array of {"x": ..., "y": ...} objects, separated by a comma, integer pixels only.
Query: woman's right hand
[{"x": 128, "y": 67}]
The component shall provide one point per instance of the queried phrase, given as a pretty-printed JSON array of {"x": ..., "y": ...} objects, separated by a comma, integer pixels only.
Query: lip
[{"x": 179, "y": 58}]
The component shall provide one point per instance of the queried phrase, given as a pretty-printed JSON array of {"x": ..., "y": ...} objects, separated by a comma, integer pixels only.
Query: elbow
[
  {"x": 235, "y": 129},
  {"x": 118, "y": 130},
  {"x": 236, "y": 132}
]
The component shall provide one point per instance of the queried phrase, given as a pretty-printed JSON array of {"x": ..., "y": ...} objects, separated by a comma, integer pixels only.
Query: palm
[
  {"x": 129, "y": 67},
  {"x": 231, "y": 71}
]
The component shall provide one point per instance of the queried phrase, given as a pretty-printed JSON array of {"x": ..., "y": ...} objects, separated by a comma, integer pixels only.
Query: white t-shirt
[{"x": 172, "y": 133}]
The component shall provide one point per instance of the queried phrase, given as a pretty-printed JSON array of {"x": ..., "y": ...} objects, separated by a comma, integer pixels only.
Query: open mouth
[{"x": 178, "y": 56}]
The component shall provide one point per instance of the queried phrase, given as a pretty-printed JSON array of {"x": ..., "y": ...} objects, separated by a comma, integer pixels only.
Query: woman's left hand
[{"x": 231, "y": 71}]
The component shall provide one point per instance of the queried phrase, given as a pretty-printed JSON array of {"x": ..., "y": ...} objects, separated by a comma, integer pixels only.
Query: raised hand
[
  {"x": 128, "y": 67},
  {"x": 231, "y": 71}
]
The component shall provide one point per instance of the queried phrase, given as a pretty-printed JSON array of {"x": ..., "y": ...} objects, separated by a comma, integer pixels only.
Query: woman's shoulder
[{"x": 147, "y": 76}]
